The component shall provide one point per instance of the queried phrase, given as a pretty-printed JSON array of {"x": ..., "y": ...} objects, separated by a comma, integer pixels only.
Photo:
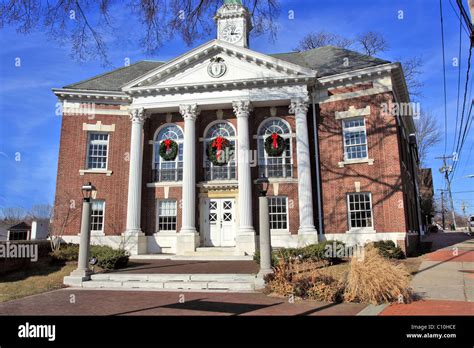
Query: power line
[
  {"x": 455, "y": 12},
  {"x": 444, "y": 78},
  {"x": 459, "y": 80}
]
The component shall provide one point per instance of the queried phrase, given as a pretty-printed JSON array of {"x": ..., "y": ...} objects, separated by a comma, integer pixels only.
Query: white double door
[{"x": 220, "y": 222}]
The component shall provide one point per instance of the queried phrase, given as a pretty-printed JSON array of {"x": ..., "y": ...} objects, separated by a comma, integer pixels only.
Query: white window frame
[
  {"x": 158, "y": 202},
  {"x": 88, "y": 151},
  {"x": 349, "y": 224},
  {"x": 286, "y": 160},
  {"x": 232, "y": 139},
  {"x": 346, "y": 130},
  {"x": 101, "y": 231},
  {"x": 277, "y": 230},
  {"x": 157, "y": 164}
]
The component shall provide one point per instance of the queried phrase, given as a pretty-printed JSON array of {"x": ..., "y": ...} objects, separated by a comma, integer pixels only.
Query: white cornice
[
  {"x": 357, "y": 74},
  {"x": 221, "y": 85},
  {"x": 89, "y": 95},
  {"x": 205, "y": 50}
]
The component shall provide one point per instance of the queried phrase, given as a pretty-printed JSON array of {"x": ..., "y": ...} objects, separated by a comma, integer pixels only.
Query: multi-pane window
[
  {"x": 168, "y": 170},
  {"x": 278, "y": 210},
  {"x": 18, "y": 235},
  {"x": 278, "y": 166},
  {"x": 166, "y": 215},
  {"x": 97, "y": 151},
  {"x": 228, "y": 171},
  {"x": 360, "y": 210},
  {"x": 355, "y": 138},
  {"x": 97, "y": 216}
]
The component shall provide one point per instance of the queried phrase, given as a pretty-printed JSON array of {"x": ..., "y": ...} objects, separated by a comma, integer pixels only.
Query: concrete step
[{"x": 173, "y": 282}]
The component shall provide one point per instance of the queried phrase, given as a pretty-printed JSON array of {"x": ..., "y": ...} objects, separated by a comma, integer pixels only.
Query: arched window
[
  {"x": 220, "y": 172},
  {"x": 171, "y": 170},
  {"x": 278, "y": 166}
]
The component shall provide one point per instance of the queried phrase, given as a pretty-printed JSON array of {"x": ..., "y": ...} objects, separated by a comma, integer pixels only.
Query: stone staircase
[
  {"x": 174, "y": 282},
  {"x": 201, "y": 254}
]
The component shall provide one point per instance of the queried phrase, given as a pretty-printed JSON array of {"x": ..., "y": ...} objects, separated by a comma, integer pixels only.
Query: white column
[
  {"x": 189, "y": 113},
  {"x": 137, "y": 116},
  {"x": 245, "y": 238},
  {"x": 299, "y": 107}
]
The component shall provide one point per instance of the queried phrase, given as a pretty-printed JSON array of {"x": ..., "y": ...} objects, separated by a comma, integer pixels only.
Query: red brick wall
[
  {"x": 383, "y": 179},
  {"x": 72, "y": 158}
]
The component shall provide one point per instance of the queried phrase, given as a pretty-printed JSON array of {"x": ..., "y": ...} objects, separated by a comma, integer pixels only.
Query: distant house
[{"x": 37, "y": 230}]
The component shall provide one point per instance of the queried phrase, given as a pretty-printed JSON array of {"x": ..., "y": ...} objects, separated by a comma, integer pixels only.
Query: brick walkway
[
  {"x": 431, "y": 307},
  {"x": 100, "y": 302}
]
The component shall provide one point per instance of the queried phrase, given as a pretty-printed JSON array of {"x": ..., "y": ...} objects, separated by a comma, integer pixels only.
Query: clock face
[{"x": 231, "y": 33}]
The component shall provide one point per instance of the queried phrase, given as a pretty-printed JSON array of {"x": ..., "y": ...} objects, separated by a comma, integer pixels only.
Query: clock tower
[{"x": 233, "y": 23}]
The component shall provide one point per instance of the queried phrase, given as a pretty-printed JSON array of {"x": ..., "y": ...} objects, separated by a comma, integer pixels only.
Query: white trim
[
  {"x": 95, "y": 171},
  {"x": 369, "y": 161},
  {"x": 165, "y": 184},
  {"x": 351, "y": 239},
  {"x": 353, "y": 112},
  {"x": 207, "y": 49},
  {"x": 102, "y": 231},
  {"x": 351, "y": 230},
  {"x": 98, "y": 127}
]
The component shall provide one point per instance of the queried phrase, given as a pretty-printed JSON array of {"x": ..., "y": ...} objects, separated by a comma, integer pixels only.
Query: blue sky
[{"x": 30, "y": 128}]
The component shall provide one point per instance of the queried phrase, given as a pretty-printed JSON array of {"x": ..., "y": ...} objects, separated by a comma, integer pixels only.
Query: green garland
[
  {"x": 169, "y": 155},
  {"x": 270, "y": 149},
  {"x": 212, "y": 151}
]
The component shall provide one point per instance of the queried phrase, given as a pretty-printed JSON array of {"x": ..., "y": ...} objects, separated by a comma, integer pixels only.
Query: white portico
[{"x": 221, "y": 74}]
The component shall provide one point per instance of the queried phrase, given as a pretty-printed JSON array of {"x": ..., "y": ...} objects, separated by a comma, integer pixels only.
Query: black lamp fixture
[
  {"x": 263, "y": 184},
  {"x": 88, "y": 191}
]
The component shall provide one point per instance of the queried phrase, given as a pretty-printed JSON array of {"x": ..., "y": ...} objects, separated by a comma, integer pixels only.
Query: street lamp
[
  {"x": 82, "y": 273},
  {"x": 265, "y": 239}
]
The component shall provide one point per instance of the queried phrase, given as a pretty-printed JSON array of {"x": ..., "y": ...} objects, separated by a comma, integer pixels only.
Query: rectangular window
[
  {"x": 167, "y": 215},
  {"x": 97, "y": 216},
  {"x": 18, "y": 235},
  {"x": 360, "y": 210},
  {"x": 97, "y": 150},
  {"x": 355, "y": 138},
  {"x": 277, "y": 207}
]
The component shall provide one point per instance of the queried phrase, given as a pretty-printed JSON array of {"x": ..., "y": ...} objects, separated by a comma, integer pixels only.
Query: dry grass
[
  {"x": 376, "y": 280},
  {"x": 40, "y": 277}
]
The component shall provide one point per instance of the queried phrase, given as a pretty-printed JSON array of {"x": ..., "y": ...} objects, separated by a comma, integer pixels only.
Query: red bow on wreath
[
  {"x": 217, "y": 143},
  {"x": 167, "y": 144},
  {"x": 275, "y": 138}
]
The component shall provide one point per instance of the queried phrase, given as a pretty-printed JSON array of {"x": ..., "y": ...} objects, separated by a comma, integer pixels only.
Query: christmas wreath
[
  {"x": 168, "y": 149},
  {"x": 274, "y": 145},
  {"x": 217, "y": 151}
]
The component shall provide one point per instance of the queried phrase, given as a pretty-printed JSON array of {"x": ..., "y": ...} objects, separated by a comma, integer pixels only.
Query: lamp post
[
  {"x": 265, "y": 239},
  {"x": 82, "y": 272}
]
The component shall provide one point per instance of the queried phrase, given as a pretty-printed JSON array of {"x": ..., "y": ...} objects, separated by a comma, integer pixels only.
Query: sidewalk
[{"x": 445, "y": 280}]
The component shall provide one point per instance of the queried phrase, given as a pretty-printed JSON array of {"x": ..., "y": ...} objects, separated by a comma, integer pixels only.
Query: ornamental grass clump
[{"x": 375, "y": 279}]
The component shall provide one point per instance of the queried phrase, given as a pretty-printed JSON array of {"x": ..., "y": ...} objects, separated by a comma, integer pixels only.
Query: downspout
[
  {"x": 318, "y": 167},
  {"x": 412, "y": 144}
]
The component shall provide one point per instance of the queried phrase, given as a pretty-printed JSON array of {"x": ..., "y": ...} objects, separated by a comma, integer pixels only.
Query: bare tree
[
  {"x": 412, "y": 69},
  {"x": 85, "y": 23},
  {"x": 13, "y": 215},
  {"x": 65, "y": 211},
  {"x": 428, "y": 134},
  {"x": 41, "y": 211},
  {"x": 322, "y": 38},
  {"x": 372, "y": 43}
]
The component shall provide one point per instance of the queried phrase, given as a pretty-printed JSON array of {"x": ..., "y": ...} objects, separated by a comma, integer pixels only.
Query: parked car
[{"x": 471, "y": 222}]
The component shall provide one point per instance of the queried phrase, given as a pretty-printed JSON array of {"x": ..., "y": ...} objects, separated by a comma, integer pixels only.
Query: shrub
[
  {"x": 313, "y": 252},
  {"x": 389, "y": 250},
  {"x": 375, "y": 279},
  {"x": 107, "y": 258},
  {"x": 67, "y": 252},
  {"x": 325, "y": 288}
]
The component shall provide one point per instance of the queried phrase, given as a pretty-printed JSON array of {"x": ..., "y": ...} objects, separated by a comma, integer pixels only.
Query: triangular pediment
[{"x": 218, "y": 62}]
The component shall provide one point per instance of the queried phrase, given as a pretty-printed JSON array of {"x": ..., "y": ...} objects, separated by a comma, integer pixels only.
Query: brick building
[{"x": 174, "y": 148}]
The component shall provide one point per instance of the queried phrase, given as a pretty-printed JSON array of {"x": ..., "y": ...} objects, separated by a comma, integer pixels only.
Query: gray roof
[
  {"x": 327, "y": 60},
  {"x": 115, "y": 79}
]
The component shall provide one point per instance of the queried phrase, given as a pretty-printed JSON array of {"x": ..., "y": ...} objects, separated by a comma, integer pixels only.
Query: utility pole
[
  {"x": 445, "y": 169},
  {"x": 463, "y": 207},
  {"x": 443, "y": 220}
]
